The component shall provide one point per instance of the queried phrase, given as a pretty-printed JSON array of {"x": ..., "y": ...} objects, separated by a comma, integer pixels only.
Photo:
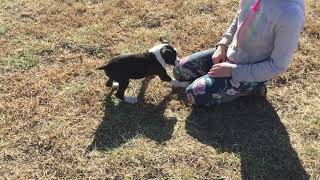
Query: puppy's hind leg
[{"x": 120, "y": 93}]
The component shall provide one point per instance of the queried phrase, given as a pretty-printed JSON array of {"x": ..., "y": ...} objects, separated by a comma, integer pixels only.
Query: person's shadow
[
  {"x": 122, "y": 122},
  {"x": 251, "y": 128}
]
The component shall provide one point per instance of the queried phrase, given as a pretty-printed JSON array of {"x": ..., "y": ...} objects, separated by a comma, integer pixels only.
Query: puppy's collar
[{"x": 156, "y": 51}]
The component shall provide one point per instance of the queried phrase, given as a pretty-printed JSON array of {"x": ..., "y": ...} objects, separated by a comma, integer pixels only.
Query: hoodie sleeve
[
  {"x": 228, "y": 35},
  {"x": 287, "y": 34}
]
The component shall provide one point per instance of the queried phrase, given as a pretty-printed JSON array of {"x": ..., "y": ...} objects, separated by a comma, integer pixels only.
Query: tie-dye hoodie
[{"x": 263, "y": 37}]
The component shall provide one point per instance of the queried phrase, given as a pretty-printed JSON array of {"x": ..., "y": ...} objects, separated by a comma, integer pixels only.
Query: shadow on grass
[
  {"x": 123, "y": 122},
  {"x": 252, "y": 129}
]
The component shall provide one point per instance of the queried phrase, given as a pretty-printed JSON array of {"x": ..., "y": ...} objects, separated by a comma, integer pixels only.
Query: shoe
[{"x": 259, "y": 91}]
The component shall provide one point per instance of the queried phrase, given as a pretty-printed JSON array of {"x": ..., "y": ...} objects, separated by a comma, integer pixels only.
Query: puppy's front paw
[
  {"x": 115, "y": 85},
  {"x": 130, "y": 99},
  {"x": 178, "y": 84}
]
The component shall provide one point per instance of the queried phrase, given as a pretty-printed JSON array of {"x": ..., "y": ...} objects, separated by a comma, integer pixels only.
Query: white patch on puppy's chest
[{"x": 156, "y": 51}]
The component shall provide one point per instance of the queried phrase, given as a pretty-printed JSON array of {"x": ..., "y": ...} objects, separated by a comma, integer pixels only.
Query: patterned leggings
[{"x": 205, "y": 90}]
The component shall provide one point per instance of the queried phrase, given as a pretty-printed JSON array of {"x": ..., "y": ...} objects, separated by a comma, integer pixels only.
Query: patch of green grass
[
  {"x": 39, "y": 46},
  {"x": 316, "y": 121},
  {"x": 22, "y": 62},
  {"x": 142, "y": 40},
  {"x": 129, "y": 21},
  {"x": 311, "y": 151},
  {"x": 3, "y": 2},
  {"x": 3, "y": 30},
  {"x": 76, "y": 88},
  {"x": 87, "y": 34},
  {"x": 184, "y": 174},
  {"x": 31, "y": 45},
  {"x": 123, "y": 47}
]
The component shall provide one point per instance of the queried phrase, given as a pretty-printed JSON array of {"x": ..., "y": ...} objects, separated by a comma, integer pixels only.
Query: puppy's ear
[
  {"x": 163, "y": 40},
  {"x": 169, "y": 55}
]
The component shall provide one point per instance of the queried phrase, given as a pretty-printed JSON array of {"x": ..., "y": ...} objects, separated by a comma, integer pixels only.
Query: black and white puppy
[{"x": 122, "y": 68}]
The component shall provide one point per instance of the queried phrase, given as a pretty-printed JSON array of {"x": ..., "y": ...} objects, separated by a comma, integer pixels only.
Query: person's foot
[{"x": 259, "y": 91}]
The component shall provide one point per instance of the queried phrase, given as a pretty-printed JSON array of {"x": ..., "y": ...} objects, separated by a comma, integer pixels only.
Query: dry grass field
[{"x": 58, "y": 120}]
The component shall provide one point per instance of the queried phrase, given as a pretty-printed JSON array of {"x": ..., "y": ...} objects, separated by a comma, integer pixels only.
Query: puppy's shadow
[
  {"x": 122, "y": 122},
  {"x": 250, "y": 128}
]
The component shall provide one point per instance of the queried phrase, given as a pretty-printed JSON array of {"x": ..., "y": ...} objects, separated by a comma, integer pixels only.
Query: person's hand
[
  {"x": 222, "y": 70},
  {"x": 219, "y": 55}
]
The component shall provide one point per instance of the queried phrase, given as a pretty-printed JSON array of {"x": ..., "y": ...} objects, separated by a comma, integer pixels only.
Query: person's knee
[
  {"x": 194, "y": 98},
  {"x": 197, "y": 100},
  {"x": 203, "y": 92}
]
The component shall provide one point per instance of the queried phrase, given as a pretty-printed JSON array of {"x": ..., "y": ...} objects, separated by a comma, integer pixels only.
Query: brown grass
[{"x": 59, "y": 121}]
